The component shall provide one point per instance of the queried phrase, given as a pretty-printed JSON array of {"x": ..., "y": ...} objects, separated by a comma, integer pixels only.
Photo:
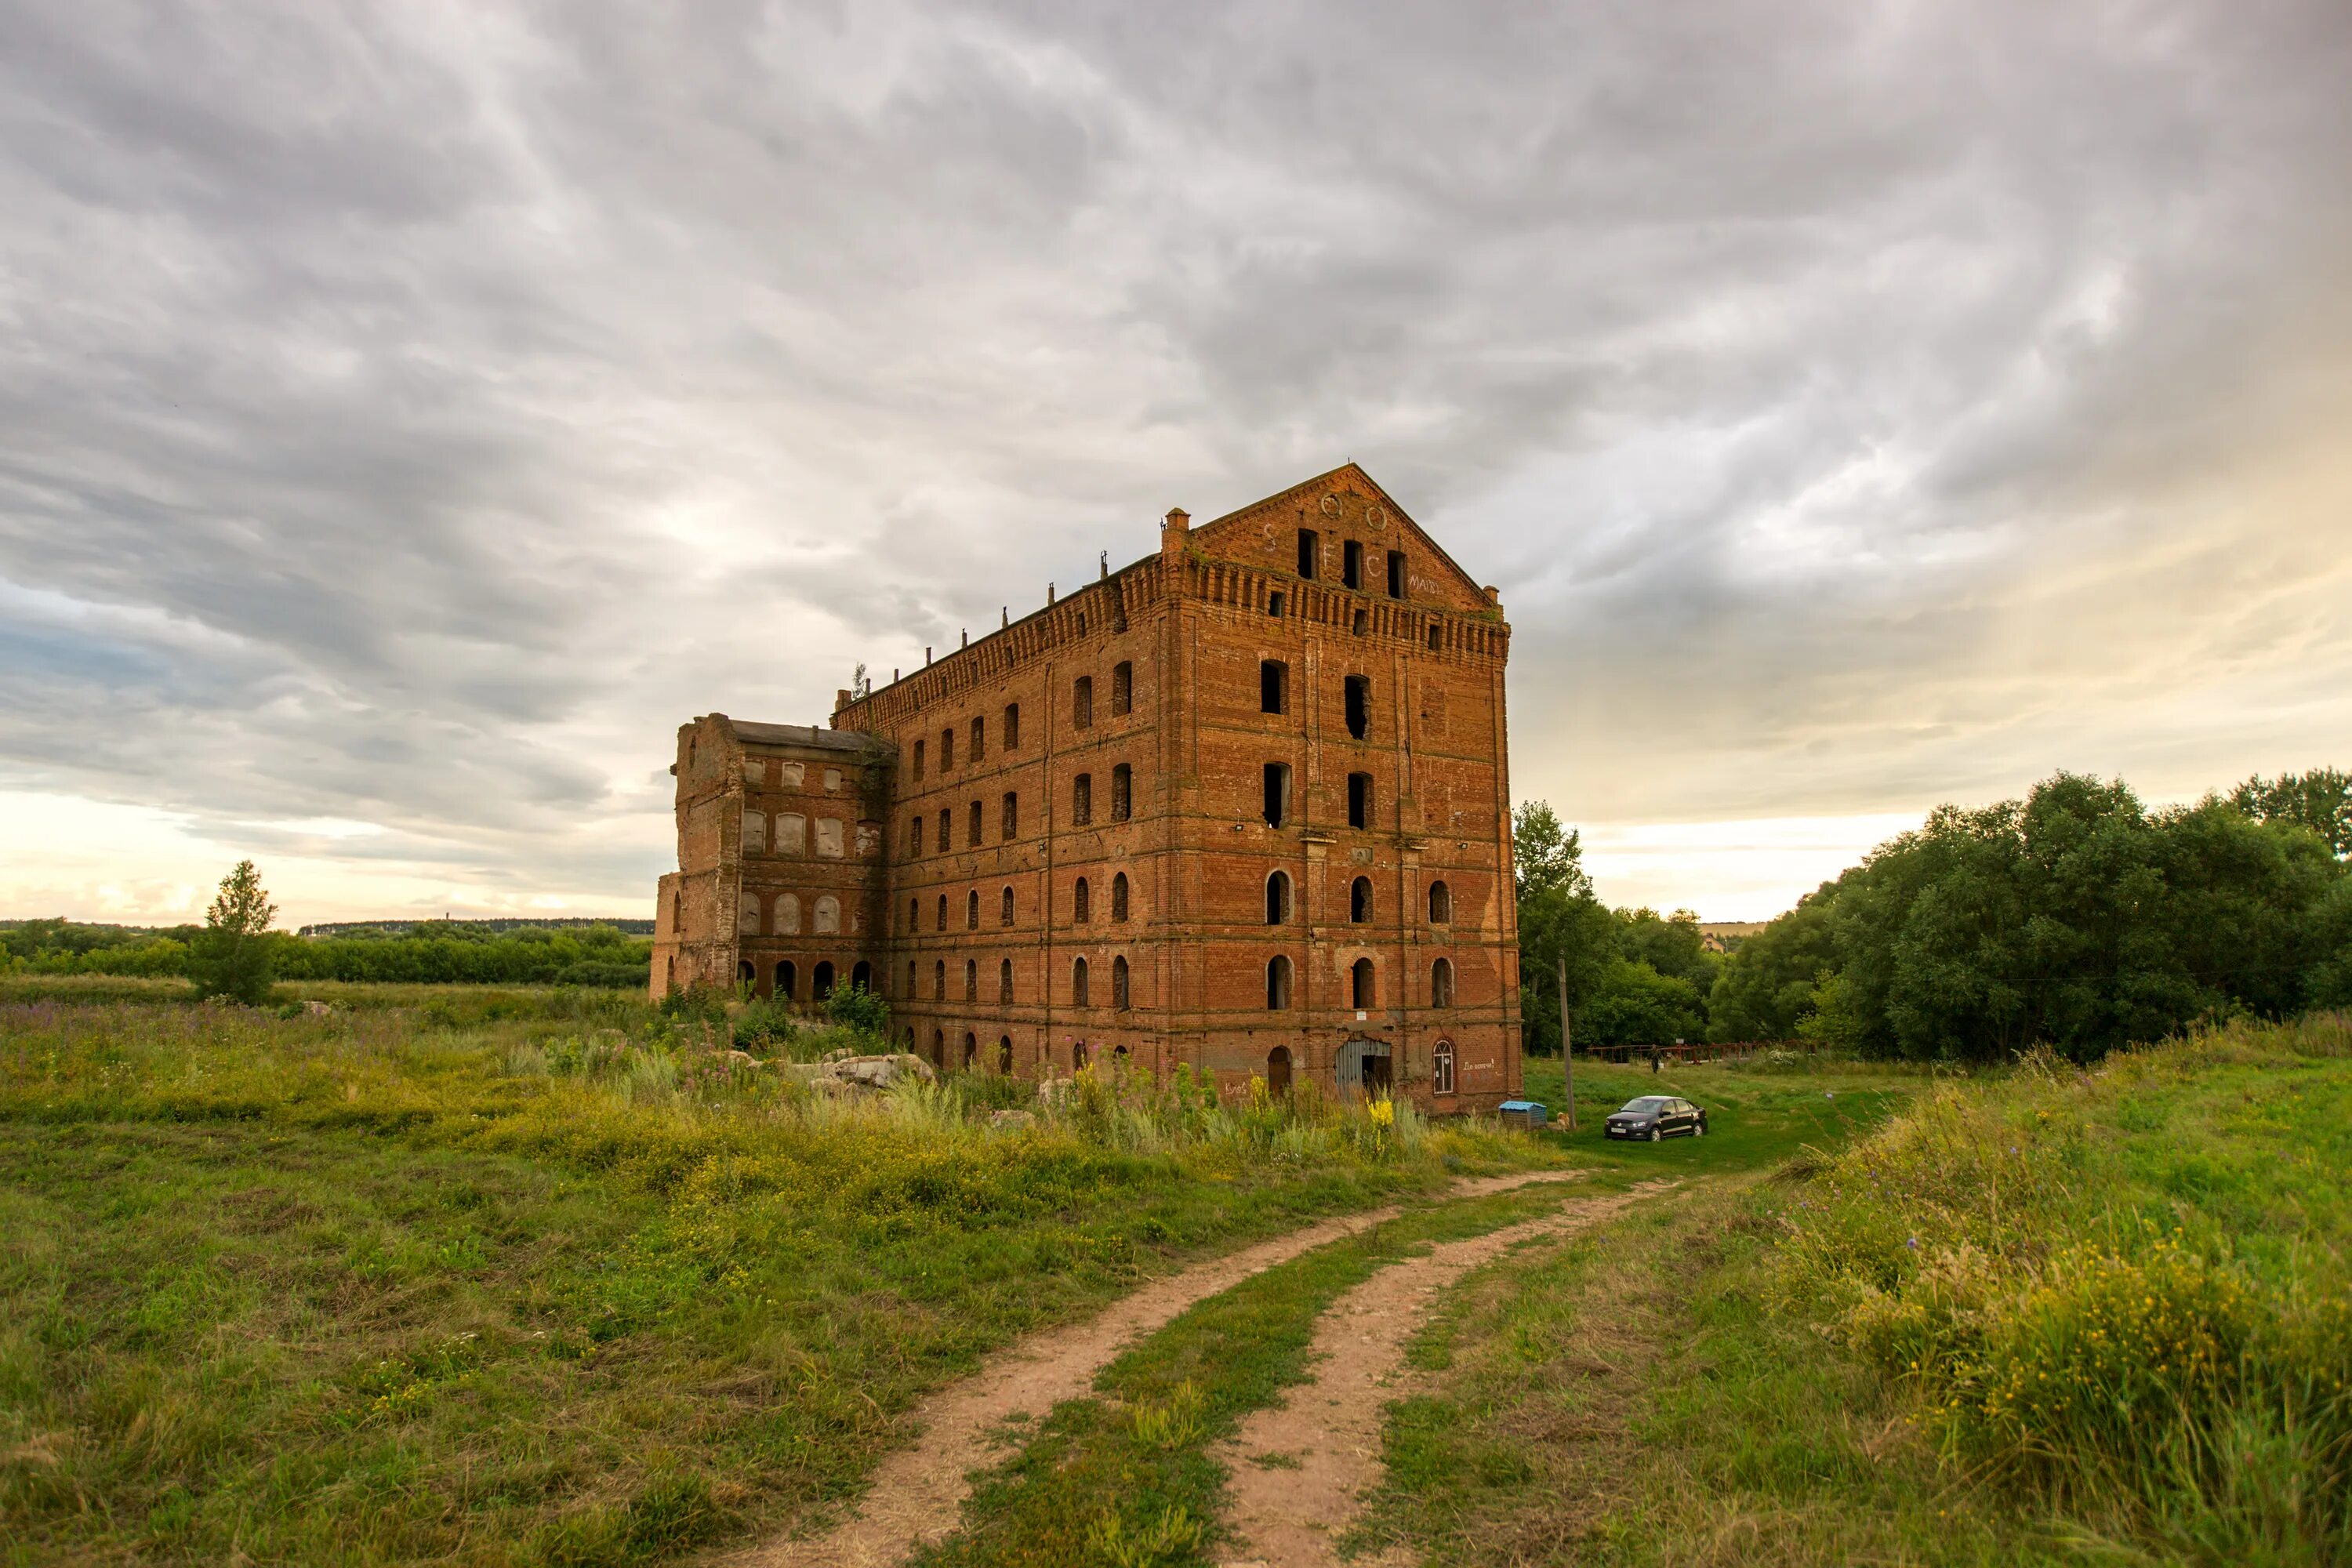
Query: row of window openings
[
  {"x": 1273, "y": 696},
  {"x": 821, "y": 979},
  {"x": 1364, "y": 984},
  {"x": 1279, "y": 903},
  {"x": 1352, "y": 563},
  {"x": 1277, "y": 1060},
  {"x": 1361, "y": 622},
  {"x": 1082, "y": 813},
  {"x": 1082, "y": 715},
  {"x": 1277, "y": 807},
  {"x": 1081, "y": 905}
]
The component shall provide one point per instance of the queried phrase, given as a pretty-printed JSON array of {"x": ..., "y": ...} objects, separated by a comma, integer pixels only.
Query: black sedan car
[{"x": 1656, "y": 1116}]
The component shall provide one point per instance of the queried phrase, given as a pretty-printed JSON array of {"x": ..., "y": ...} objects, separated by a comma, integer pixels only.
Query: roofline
[{"x": 1352, "y": 467}]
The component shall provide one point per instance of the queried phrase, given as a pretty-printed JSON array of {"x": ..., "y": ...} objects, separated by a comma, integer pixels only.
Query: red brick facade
[{"x": 1062, "y": 843}]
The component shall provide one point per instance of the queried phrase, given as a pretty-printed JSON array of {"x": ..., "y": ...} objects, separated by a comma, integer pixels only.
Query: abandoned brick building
[{"x": 1242, "y": 805}]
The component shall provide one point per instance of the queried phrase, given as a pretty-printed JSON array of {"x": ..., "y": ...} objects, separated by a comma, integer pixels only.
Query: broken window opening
[
  {"x": 1396, "y": 574},
  {"x": 1352, "y": 564},
  {"x": 1274, "y": 606},
  {"x": 1360, "y": 705},
  {"x": 1311, "y": 545},
  {"x": 1277, "y": 793}
]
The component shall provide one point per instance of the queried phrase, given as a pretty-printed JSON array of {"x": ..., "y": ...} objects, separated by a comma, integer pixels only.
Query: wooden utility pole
[{"x": 1567, "y": 1063}]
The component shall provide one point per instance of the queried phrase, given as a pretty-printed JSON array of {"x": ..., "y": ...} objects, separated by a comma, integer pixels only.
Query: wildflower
[{"x": 1913, "y": 1244}]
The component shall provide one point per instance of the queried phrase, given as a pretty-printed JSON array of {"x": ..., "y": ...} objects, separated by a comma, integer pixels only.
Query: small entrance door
[
  {"x": 1277, "y": 1070},
  {"x": 1364, "y": 1067}
]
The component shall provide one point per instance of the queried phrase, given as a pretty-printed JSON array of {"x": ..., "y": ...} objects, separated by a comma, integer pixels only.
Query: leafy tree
[
  {"x": 232, "y": 954},
  {"x": 1767, "y": 988},
  {"x": 1633, "y": 1005},
  {"x": 1558, "y": 920},
  {"x": 2320, "y": 800},
  {"x": 1670, "y": 944},
  {"x": 856, "y": 1008}
]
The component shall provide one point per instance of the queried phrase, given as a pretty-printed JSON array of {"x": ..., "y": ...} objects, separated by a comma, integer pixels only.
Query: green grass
[
  {"x": 1124, "y": 1479},
  {"x": 1755, "y": 1119},
  {"x": 519, "y": 1278},
  {"x": 2043, "y": 1316}
]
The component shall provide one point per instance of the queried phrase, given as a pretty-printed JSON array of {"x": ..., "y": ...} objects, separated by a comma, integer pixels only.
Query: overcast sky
[{"x": 410, "y": 414}]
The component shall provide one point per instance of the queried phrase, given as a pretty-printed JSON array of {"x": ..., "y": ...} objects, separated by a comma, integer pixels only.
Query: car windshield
[{"x": 1649, "y": 1102}]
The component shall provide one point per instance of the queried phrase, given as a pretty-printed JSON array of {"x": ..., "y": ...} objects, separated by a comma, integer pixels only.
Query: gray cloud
[{"x": 407, "y": 417}]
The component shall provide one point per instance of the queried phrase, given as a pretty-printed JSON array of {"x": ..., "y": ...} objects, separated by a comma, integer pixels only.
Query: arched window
[
  {"x": 914, "y": 916},
  {"x": 1441, "y": 983},
  {"x": 1004, "y": 982},
  {"x": 1118, "y": 897},
  {"x": 791, "y": 833},
  {"x": 1441, "y": 1068},
  {"x": 1441, "y": 904},
  {"x": 915, "y": 834},
  {"x": 1004, "y": 912},
  {"x": 746, "y": 915},
  {"x": 1082, "y": 703},
  {"x": 947, "y": 748},
  {"x": 1122, "y": 688},
  {"x": 939, "y": 980},
  {"x": 1277, "y": 1070},
  {"x": 828, "y": 915},
  {"x": 911, "y": 1039},
  {"x": 821, "y": 982},
  {"x": 1361, "y": 982},
  {"x": 677, "y": 910},
  {"x": 1118, "y": 994},
  {"x": 1012, "y": 727},
  {"x": 1082, "y": 799},
  {"x": 1277, "y": 983},
  {"x": 972, "y": 826},
  {"x": 1009, "y": 821},
  {"x": 939, "y": 1050},
  {"x": 1277, "y": 898},
  {"x": 788, "y": 914},
  {"x": 745, "y": 974},
  {"x": 972, "y": 980},
  {"x": 755, "y": 833},
  {"x": 788, "y": 980},
  {"x": 919, "y": 759},
  {"x": 979, "y": 737},
  {"x": 861, "y": 977},
  {"x": 970, "y": 1049},
  {"x": 1081, "y": 904},
  {"x": 943, "y": 918},
  {"x": 971, "y": 910},
  {"x": 910, "y": 980},
  {"x": 1004, "y": 1056},
  {"x": 1122, "y": 792},
  {"x": 1079, "y": 983},
  {"x": 1360, "y": 899}
]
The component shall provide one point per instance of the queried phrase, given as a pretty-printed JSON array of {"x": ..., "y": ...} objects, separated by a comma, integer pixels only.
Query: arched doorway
[
  {"x": 1277, "y": 1070},
  {"x": 861, "y": 977},
  {"x": 788, "y": 980},
  {"x": 821, "y": 982},
  {"x": 745, "y": 974},
  {"x": 970, "y": 1050},
  {"x": 939, "y": 1050},
  {"x": 1004, "y": 1056}
]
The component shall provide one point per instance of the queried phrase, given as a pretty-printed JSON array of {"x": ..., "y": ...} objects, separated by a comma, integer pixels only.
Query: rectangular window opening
[
  {"x": 1311, "y": 545},
  {"x": 1273, "y": 605},
  {"x": 1122, "y": 690},
  {"x": 1012, "y": 725},
  {"x": 1082, "y": 703},
  {"x": 1277, "y": 793},
  {"x": 1396, "y": 574},
  {"x": 1359, "y": 800},
  {"x": 1359, "y": 706},
  {"x": 1273, "y": 686},
  {"x": 1352, "y": 564}
]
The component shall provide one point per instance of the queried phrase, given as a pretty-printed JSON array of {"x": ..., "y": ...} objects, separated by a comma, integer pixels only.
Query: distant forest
[
  {"x": 611, "y": 954},
  {"x": 2075, "y": 918}
]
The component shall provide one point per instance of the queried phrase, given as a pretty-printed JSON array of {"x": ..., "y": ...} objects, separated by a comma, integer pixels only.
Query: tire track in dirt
[
  {"x": 916, "y": 1493},
  {"x": 1325, "y": 1435}
]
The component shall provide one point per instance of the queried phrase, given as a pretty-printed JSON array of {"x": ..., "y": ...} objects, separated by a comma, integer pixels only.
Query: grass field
[
  {"x": 538, "y": 1278},
  {"x": 2045, "y": 1316}
]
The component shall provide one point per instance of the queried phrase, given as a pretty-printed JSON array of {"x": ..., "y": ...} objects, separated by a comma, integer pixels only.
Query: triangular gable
[{"x": 1347, "y": 502}]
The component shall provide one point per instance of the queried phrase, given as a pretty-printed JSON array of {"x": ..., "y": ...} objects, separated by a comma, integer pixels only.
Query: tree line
[
  {"x": 428, "y": 952},
  {"x": 2076, "y": 919}
]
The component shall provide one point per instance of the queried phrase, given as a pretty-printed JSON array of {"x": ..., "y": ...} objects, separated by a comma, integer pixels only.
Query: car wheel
[
  {"x": 1654, "y": 1135},
  {"x": 1699, "y": 1130}
]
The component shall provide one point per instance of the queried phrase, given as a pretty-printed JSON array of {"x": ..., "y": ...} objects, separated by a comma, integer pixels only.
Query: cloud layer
[{"x": 407, "y": 415}]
